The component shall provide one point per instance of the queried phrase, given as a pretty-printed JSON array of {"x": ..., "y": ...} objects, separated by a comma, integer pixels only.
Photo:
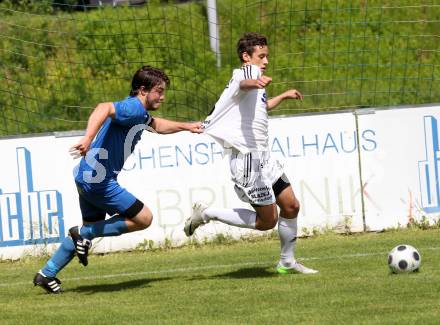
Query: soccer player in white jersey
[{"x": 239, "y": 122}]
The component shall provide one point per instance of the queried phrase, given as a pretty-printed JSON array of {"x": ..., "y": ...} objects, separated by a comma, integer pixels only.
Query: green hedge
[{"x": 55, "y": 66}]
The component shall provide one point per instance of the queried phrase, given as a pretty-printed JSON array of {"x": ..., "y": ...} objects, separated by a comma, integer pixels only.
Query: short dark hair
[
  {"x": 148, "y": 77},
  {"x": 247, "y": 43}
]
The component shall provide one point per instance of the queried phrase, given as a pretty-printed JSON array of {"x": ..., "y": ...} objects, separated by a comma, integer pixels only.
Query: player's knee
[
  {"x": 291, "y": 210},
  {"x": 267, "y": 224},
  {"x": 145, "y": 222},
  {"x": 272, "y": 223},
  {"x": 144, "y": 218}
]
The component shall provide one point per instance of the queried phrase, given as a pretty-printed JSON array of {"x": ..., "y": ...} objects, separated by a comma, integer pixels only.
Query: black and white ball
[{"x": 404, "y": 259}]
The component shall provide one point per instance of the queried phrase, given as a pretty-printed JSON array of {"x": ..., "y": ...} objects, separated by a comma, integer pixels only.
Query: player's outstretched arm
[
  {"x": 164, "y": 126},
  {"x": 290, "y": 94},
  {"x": 96, "y": 119},
  {"x": 259, "y": 83}
]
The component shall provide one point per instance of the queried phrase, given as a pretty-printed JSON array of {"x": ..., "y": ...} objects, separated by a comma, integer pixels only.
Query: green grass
[{"x": 235, "y": 284}]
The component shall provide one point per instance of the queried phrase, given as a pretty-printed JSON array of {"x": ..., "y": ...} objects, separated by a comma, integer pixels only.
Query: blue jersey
[{"x": 114, "y": 142}]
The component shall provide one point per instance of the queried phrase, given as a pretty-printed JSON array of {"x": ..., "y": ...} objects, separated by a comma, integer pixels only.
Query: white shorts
[{"x": 254, "y": 174}]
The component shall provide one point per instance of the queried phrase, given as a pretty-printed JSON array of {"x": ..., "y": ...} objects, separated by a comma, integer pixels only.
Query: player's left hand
[
  {"x": 293, "y": 94},
  {"x": 80, "y": 149},
  {"x": 195, "y": 127}
]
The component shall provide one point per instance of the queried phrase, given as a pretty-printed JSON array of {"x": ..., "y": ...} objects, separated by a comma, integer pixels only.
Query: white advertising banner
[
  {"x": 401, "y": 177},
  {"x": 320, "y": 156},
  {"x": 320, "y": 153}
]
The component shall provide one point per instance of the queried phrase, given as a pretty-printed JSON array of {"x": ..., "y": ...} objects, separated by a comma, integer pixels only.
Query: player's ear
[
  {"x": 246, "y": 57},
  {"x": 143, "y": 91}
]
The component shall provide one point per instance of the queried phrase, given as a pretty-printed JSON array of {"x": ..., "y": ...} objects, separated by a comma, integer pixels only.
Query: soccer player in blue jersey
[{"x": 112, "y": 132}]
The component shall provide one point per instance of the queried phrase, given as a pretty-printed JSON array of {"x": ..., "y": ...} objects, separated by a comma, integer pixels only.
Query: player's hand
[
  {"x": 195, "y": 127},
  {"x": 80, "y": 149},
  {"x": 293, "y": 94},
  {"x": 263, "y": 81}
]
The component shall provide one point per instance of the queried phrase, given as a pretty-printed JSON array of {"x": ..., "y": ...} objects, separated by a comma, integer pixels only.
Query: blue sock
[
  {"x": 111, "y": 227},
  {"x": 60, "y": 259}
]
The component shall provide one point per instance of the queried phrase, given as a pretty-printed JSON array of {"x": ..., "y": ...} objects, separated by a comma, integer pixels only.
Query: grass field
[{"x": 235, "y": 283}]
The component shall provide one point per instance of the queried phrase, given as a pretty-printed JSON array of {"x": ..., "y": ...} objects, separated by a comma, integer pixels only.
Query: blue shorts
[{"x": 107, "y": 197}]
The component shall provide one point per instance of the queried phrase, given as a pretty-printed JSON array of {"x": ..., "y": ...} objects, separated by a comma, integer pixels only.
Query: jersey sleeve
[
  {"x": 248, "y": 71},
  {"x": 245, "y": 72},
  {"x": 128, "y": 115}
]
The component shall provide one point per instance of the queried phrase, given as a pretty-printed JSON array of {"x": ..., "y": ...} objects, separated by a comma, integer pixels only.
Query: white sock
[
  {"x": 242, "y": 218},
  {"x": 287, "y": 229}
]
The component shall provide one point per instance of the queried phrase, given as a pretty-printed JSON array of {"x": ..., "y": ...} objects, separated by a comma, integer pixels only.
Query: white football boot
[
  {"x": 295, "y": 267},
  {"x": 195, "y": 220}
]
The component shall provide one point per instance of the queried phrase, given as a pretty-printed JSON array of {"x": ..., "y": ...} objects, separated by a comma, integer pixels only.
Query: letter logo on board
[
  {"x": 429, "y": 168},
  {"x": 30, "y": 216}
]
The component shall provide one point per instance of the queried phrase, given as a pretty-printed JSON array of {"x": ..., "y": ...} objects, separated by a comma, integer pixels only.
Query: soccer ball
[{"x": 404, "y": 259}]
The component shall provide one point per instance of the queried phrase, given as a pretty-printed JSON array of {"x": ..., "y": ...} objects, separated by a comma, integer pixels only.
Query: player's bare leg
[
  {"x": 141, "y": 221},
  {"x": 267, "y": 217}
]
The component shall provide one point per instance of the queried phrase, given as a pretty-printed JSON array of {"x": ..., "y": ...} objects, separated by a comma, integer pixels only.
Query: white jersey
[{"x": 239, "y": 118}]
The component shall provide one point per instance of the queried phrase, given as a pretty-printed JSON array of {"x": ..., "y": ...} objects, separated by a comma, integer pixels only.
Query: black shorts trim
[
  {"x": 280, "y": 185},
  {"x": 94, "y": 218},
  {"x": 133, "y": 210}
]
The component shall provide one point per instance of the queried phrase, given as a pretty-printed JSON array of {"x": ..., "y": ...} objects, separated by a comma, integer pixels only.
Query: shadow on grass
[
  {"x": 250, "y": 272},
  {"x": 246, "y": 273},
  {"x": 126, "y": 285}
]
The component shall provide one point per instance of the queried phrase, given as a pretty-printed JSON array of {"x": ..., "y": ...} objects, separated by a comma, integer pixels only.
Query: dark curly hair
[
  {"x": 148, "y": 77},
  {"x": 247, "y": 42}
]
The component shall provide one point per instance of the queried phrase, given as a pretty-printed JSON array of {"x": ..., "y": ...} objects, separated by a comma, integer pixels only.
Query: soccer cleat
[
  {"x": 82, "y": 245},
  {"x": 294, "y": 268},
  {"x": 51, "y": 285},
  {"x": 195, "y": 220}
]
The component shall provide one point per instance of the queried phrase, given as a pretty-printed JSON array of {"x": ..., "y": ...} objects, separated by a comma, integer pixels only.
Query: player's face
[
  {"x": 155, "y": 96},
  {"x": 260, "y": 57}
]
